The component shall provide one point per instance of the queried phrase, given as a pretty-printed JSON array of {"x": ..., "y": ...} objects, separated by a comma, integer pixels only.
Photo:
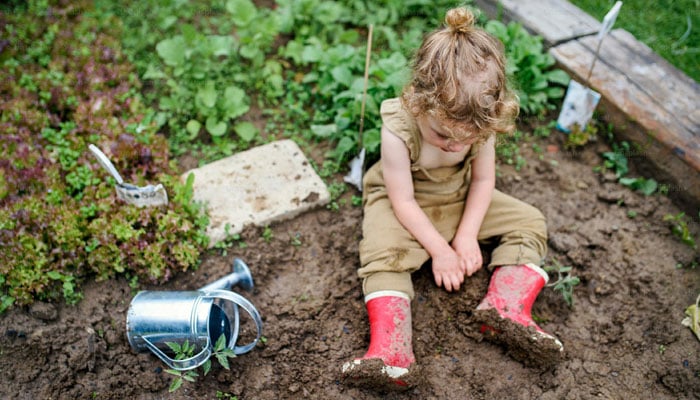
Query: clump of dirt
[
  {"x": 622, "y": 337},
  {"x": 373, "y": 374},
  {"x": 523, "y": 344}
]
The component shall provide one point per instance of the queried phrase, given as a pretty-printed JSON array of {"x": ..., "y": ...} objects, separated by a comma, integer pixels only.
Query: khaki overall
[{"x": 389, "y": 253}]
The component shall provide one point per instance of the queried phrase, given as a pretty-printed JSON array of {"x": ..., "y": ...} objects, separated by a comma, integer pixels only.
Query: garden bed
[
  {"x": 623, "y": 336},
  {"x": 633, "y": 253}
]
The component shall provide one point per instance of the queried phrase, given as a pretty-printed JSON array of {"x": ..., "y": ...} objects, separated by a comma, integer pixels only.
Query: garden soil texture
[{"x": 623, "y": 336}]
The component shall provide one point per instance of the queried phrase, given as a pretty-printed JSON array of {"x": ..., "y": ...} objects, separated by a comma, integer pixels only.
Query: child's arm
[
  {"x": 396, "y": 164},
  {"x": 481, "y": 188}
]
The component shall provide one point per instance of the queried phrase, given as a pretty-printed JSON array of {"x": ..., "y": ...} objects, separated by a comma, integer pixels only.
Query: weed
[
  {"x": 616, "y": 161},
  {"x": 230, "y": 240},
  {"x": 267, "y": 234},
  {"x": 225, "y": 396},
  {"x": 565, "y": 282},
  {"x": 508, "y": 150},
  {"x": 295, "y": 239},
  {"x": 680, "y": 229},
  {"x": 578, "y": 137}
]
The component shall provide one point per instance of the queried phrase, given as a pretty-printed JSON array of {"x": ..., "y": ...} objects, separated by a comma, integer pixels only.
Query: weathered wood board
[
  {"x": 556, "y": 21},
  {"x": 654, "y": 104}
]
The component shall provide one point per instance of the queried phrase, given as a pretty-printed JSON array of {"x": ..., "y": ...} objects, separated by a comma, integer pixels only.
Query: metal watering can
[{"x": 200, "y": 317}]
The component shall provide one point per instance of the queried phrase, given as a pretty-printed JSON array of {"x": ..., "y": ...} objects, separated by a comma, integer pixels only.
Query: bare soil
[{"x": 623, "y": 337}]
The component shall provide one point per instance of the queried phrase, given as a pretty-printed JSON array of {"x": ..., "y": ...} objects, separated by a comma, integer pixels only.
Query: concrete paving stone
[{"x": 259, "y": 186}]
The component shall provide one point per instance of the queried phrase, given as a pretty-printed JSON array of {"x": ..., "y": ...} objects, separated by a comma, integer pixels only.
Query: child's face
[{"x": 439, "y": 135}]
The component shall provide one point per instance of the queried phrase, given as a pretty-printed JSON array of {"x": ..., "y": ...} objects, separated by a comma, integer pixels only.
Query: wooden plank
[
  {"x": 658, "y": 102},
  {"x": 556, "y": 21}
]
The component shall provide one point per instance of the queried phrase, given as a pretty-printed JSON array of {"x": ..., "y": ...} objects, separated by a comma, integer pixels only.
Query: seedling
[
  {"x": 578, "y": 137},
  {"x": 616, "y": 161},
  {"x": 680, "y": 229},
  {"x": 230, "y": 240},
  {"x": 267, "y": 234},
  {"x": 565, "y": 282},
  {"x": 186, "y": 350},
  {"x": 295, "y": 239}
]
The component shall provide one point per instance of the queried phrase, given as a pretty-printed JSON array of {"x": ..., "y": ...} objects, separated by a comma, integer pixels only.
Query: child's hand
[
  {"x": 448, "y": 269},
  {"x": 470, "y": 253}
]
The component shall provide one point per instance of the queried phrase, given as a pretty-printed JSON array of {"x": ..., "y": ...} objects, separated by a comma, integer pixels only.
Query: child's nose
[{"x": 455, "y": 147}]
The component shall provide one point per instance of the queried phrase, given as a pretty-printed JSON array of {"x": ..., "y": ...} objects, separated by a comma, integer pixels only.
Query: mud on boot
[
  {"x": 505, "y": 315},
  {"x": 389, "y": 363}
]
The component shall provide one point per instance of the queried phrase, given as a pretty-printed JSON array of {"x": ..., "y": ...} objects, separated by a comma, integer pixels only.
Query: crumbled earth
[{"x": 623, "y": 338}]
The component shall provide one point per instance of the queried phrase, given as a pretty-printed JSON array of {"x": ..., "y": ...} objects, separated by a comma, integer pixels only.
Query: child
[{"x": 431, "y": 196}]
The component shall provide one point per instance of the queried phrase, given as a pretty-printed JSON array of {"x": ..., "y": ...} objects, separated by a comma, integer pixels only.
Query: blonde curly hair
[{"x": 459, "y": 78}]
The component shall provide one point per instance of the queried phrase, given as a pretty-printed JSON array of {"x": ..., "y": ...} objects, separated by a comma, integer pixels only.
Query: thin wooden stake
[{"x": 364, "y": 93}]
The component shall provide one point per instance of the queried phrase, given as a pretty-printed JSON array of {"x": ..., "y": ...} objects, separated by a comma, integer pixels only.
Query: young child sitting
[{"x": 431, "y": 197}]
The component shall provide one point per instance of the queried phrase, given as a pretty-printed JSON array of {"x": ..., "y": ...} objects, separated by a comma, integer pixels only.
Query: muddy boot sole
[
  {"x": 524, "y": 344},
  {"x": 372, "y": 373}
]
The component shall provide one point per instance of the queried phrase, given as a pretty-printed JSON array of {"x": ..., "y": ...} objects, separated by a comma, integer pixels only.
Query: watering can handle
[
  {"x": 242, "y": 302},
  {"x": 180, "y": 365}
]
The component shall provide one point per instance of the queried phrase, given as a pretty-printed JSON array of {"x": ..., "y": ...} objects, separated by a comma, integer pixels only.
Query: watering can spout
[{"x": 240, "y": 277}]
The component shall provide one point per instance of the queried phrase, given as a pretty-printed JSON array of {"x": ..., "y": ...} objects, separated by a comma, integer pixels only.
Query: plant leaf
[
  {"x": 246, "y": 131},
  {"x": 558, "y": 76},
  {"x": 175, "y": 347},
  {"x": 342, "y": 74},
  {"x": 220, "y": 343},
  {"x": 206, "y": 367},
  {"x": 221, "y": 45},
  {"x": 243, "y": 11},
  {"x": 190, "y": 376},
  {"x": 207, "y": 95},
  {"x": 216, "y": 127},
  {"x": 324, "y": 131},
  {"x": 55, "y": 275},
  {"x": 223, "y": 360},
  {"x": 172, "y": 51},
  {"x": 175, "y": 385},
  {"x": 235, "y": 102},
  {"x": 193, "y": 126}
]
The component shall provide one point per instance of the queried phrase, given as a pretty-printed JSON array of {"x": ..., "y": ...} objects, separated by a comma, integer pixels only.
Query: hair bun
[{"x": 459, "y": 19}]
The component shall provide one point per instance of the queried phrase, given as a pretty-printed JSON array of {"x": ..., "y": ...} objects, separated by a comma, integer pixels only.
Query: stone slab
[
  {"x": 651, "y": 104},
  {"x": 556, "y": 21},
  {"x": 259, "y": 186}
]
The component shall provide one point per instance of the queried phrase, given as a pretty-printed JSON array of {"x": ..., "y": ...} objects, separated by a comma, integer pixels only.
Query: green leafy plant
[
  {"x": 186, "y": 350},
  {"x": 680, "y": 228},
  {"x": 565, "y": 282},
  {"x": 538, "y": 85},
  {"x": 295, "y": 239},
  {"x": 267, "y": 234},
  {"x": 616, "y": 161},
  {"x": 226, "y": 396},
  {"x": 230, "y": 240},
  {"x": 579, "y": 137},
  {"x": 61, "y": 220}
]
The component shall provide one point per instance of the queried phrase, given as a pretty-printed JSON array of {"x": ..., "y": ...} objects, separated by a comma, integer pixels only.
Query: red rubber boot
[
  {"x": 505, "y": 314},
  {"x": 389, "y": 362}
]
